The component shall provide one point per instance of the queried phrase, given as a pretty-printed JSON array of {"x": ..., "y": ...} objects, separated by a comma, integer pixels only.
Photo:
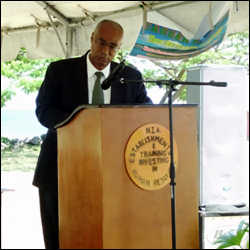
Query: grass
[{"x": 23, "y": 159}]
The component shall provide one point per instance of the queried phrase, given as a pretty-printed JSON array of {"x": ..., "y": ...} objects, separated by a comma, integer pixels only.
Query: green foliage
[
  {"x": 29, "y": 85},
  {"x": 6, "y": 95},
  {"x": 121, "y": 55},
  {"x": 8, "y": 142},
  {"x": 23, "y": 73},
  {"x": 231, "y": 239},
  {"x": 5, "y": 140},
  {"x": 183, "y": 95}
]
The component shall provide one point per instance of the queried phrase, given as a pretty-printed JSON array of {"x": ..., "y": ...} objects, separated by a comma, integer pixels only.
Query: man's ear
[{"x": 92, "y": 37}]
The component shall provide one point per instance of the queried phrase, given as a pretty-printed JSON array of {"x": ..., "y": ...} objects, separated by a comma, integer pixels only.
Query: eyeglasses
[{"x": 102, "y": 44}]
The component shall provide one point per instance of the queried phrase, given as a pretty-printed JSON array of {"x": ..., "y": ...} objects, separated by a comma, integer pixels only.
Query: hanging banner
[
  {"x": 164, "y": 43},
  {"x": 161, "y": 43}
]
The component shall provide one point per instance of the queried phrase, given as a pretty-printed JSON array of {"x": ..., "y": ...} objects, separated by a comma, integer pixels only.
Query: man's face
[{"x": 104, "y": 44}]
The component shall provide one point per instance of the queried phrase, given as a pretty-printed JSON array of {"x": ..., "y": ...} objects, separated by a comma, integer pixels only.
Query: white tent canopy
[{"x": 53, "y": 29}]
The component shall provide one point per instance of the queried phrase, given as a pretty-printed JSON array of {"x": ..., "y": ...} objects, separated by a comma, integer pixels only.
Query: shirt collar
[{"x": 91, "y": 69}]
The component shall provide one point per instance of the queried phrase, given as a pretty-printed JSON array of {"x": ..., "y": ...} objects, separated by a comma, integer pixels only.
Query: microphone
[
  {"x": 218, "y": 84},
  {"x": 113, "y": 75}
]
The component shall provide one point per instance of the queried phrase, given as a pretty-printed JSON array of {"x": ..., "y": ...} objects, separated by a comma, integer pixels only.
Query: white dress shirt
[{"x": 92, "y": 78}]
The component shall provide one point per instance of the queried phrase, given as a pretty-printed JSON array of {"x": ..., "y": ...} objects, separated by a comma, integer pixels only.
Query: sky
[{"x": 21, "y": 101}]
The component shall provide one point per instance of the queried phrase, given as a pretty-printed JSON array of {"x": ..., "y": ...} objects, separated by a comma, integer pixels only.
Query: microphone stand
[{"x": 172, "y": 84}]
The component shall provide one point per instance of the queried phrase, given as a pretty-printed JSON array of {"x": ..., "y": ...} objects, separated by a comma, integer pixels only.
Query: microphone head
[
  {"x": 113, "y": 76},
  {"x": 218, "y": 84},
  {"x": 105, "y": 84}
]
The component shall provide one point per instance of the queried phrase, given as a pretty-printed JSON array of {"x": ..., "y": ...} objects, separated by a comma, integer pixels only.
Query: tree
[
  {"x": 23, "y": 73},
  {"x": 6, "y": 95}
]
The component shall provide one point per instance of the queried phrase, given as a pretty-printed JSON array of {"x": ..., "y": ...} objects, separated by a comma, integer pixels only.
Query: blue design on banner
[{"x": 162, "y": 43}]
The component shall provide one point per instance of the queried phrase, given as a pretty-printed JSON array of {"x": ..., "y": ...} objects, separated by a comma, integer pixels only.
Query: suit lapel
[
  {"x": 116, "y": 89},
  {"x": 81, "y": 79}
]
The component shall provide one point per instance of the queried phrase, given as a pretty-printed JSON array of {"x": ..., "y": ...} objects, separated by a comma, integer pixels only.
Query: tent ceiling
[{"x": 75, "y": 20}]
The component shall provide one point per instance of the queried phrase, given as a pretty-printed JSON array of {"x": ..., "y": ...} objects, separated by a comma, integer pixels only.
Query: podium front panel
[{"x": 100, "y": 206}]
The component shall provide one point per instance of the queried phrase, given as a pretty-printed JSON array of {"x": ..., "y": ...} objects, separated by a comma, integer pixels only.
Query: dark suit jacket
[{"x": 64, "y": 88}]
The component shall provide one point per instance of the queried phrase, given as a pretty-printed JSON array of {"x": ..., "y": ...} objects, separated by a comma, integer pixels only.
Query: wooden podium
[{"x": 100, "y": 206}]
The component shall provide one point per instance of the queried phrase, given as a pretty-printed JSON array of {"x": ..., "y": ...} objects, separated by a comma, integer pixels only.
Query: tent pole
[{"x": 60, "y": 40}]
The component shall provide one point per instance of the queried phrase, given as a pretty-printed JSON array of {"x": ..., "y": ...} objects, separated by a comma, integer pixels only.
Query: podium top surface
[
  {"x": 131, "y": 106},
  {"x": 90, "y": 106}
]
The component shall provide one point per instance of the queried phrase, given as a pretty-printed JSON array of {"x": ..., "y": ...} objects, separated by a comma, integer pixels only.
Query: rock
[
  {"x": 26, "y": 140},
  {"x": 14, "y": 141},
  {"x": 35, "y": 140},
  {"x": 3, "y": 146},
  {"x": 43, "y": 136}
]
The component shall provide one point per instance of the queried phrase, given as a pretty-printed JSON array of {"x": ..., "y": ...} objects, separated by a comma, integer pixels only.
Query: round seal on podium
[{"x": 147, "y": 156}]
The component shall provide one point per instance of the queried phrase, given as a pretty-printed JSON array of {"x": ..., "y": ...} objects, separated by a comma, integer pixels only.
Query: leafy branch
[{"x": 231, "y": 239}]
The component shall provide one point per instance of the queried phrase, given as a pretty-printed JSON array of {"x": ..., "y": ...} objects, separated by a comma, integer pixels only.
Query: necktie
[{"x": 98, "y": 92}]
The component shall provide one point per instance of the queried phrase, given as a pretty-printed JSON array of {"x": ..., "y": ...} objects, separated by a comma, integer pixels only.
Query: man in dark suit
[{"x": 68, "y": 84}]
